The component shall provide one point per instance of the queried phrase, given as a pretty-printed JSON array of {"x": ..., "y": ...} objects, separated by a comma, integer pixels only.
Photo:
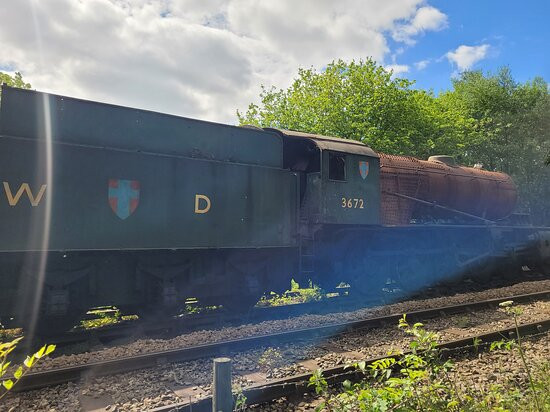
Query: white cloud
[
  {"x": 466, "y": 56},
  {"x": 426, "y": 19},
  {"x": 192, "y": 57},
  {"x": 422, "y": 64},
  {"x": 397, "y": 68}
]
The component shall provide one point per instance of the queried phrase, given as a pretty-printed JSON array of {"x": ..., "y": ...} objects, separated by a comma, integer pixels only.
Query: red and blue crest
[
  {"x": 123, "y": 197},
  {"x": 364, "y": 169}
]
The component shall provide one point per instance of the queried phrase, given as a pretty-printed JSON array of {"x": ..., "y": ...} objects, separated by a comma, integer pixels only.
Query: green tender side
[
  {"x": 76, "y": 121},
  {"x": 250, "y": 205}
]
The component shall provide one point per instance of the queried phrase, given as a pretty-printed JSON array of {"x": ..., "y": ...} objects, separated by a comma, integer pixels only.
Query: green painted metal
[
  {"x": 355, "y": 200},
  {"x": 250, "y": 205},
  {"x": 352, "y": 201},
  {"x": 75, "y": 121}
]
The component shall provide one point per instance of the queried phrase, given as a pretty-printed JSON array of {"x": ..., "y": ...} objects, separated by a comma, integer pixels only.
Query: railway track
[
  {"x": 51, "y": 377},
  {"x": 298, "y": 384},
  {"x": 220, "y": 318},
  {"x": 189, "y": 323}
]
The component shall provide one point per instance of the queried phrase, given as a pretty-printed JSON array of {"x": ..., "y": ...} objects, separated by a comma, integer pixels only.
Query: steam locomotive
[{"x": 108, "y": 205}]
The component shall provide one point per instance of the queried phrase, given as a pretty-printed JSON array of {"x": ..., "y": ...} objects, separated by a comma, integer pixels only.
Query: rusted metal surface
[{"x": 488, "y": 195}]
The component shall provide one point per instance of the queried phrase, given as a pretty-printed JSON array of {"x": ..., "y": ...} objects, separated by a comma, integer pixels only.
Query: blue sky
[
  {"x": 206, "y": 59},
  {"x": 517, "y": 33}
]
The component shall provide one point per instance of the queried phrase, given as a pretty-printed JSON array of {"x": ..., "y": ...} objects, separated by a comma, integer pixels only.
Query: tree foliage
[
  {"x": 513, "y": 124},
  {"x": 360, "y": 101},
  {"x": 13, "y": 81},
  {"x": 485, "y": 118}
]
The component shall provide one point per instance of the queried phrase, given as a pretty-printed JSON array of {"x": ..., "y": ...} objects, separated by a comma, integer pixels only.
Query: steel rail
[
  {"x": 190, "y": 323},
  {"x": 40, "y": 379},
  {"x": 219, "y": 318},
  {"x": 298, "y": 384}
]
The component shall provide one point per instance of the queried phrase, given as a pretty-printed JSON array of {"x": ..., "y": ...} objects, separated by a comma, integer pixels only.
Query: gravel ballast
[
  {"x": 166, "y": 384},
  {"x": 273, "y": 326}
]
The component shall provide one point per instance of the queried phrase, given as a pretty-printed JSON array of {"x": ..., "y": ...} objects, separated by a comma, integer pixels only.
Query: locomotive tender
[{"x": 103, "y": 204}]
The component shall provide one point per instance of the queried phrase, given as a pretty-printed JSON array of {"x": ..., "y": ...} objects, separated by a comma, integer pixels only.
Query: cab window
[{"x": 337, "y": 166}]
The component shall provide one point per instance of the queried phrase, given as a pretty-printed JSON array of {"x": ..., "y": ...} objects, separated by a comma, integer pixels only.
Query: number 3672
[{"x": 349, "y": 203}]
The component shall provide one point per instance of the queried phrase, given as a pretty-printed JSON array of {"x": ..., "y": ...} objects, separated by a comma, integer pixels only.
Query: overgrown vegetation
[
  {"x": 105, "y": 316},
  {"x": 193, "y": 307},
  {"x": 5, "y": 350},
  {"x": 423, "y": 380},
  {"x": 239, "y": 399},
  {"x": 486, "y": 118},
  {"x": 295, "y": 294}
]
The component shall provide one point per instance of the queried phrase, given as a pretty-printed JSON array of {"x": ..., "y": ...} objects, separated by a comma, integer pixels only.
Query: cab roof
[{"x": 335, "y": 144}]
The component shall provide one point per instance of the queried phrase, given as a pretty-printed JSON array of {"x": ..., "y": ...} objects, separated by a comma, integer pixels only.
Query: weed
[
  {"x": 105, "y": 317},
  {"x": 8, "y": 347},
  {"x": 195, "y": 309},
  {"x": 515, "y": 312},
  {"x": 270, "y": 359},
  {"x": 294, "y": 295},
  {"x": 463, "y": 322},
  {"x": 422, "y": 380},
  {"x": 239, "y": 399}
]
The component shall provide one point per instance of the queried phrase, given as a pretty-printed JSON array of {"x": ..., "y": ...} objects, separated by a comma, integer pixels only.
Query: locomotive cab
[{"x": 339, "y": 178}]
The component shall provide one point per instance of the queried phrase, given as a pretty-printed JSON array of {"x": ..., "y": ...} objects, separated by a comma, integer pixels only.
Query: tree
[
  {"x": 362, "y": 101},
  {"x": 15, "y": 81},
  {"x": 513, "y": 124}
]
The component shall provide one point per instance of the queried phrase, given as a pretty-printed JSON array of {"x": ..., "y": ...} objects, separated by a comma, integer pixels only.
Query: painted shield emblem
[
  {"x": 364, "y": 169},
  {"x": 123, "y": 197}
]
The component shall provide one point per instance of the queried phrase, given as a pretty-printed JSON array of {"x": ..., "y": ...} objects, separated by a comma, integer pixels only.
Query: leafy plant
[
  {"x": 503, "y": 344},
  {"x": 417, "y": 380},
  {"x": 295, "y": 294},
  {"x": 421, "y": 380},
  {"x": 463, "y": 322},
  {"x": 105, "y": 316},
  {"x": 239, "y": 399},
  {"x": 28, "y": 363},
  {"x": 270, "y": 359},
  {"x": 515, "y": 312}
]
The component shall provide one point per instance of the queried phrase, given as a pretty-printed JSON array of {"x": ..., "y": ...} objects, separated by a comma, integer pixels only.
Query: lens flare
[{"x": 45, "y": 164}]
